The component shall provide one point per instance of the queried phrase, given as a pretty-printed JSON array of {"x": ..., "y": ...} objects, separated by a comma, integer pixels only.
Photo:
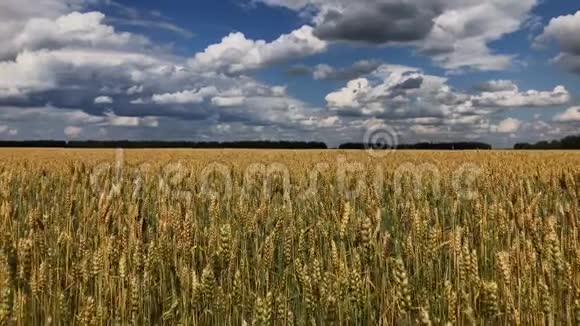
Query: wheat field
[{"x": 233, "y": 237}]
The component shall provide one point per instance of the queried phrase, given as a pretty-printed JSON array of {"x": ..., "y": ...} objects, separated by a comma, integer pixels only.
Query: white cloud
[
  {"x": 70, "y": 119},
  {"x": 396, "y": 91},
  {"x": 28, "y": 72},
  {"x": 515, "y": 98},
  {"x": 508, "y": 126},
  {"x": 235, "y": 53},
  {"x": 321, "y": 123},
  {"x": 426, "y": 130},
  {"x": 114, "y": 120},
  {"x": 328, "y": 122},
  {"x": 135, "y": 90},
  {"x": 71, "y": 59},
  {"x": 456, "y": 34},
  {"x": 421, "y": 105},
  {"x": 349, "y": 96},
  {"x": 46, "y": 114},
  {"x": 461, "y": 34},
  {"x": 72, "y": 131},
  {"x": 404, "y": 89},
  {"x": 570, "y": 115},
  {"x": 74, "y": 29},
  {"x": 45, "y": 70},
  {"x": 564, "y": 30},
  {"x": 185, "y": 97},
  {"x": 222, "y": 101},
  {"x": 14, "y": 17},
  {"x": 11, "y": 92},
  {"x": 103, "y": 100},
  {"x": 53, "y": 48}
]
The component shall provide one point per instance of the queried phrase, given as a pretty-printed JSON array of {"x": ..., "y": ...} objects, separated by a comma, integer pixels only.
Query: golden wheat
[{"x": 165, "y": 237}]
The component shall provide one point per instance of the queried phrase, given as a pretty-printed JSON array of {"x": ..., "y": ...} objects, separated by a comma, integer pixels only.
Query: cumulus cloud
[
  {"x": 421, "y": 104},
  {"x": 14, "y": 17},
  {"x": 393, "y": 90},
  {"x": 73, "y": 132},
  {"x": 322, "y": 123},
  {"x": 515, "y": 98},
  {"x": 570, "y": 115},
  {"x": 507, "y": 126},
  {"x": 462, "y": 33},
  {"x": 349, "y": 96},
  {"x": 74, "y": 29},
  {"x": 44, "y": 70},
  {"x": 456, "y": 34},
  {"x": 62, "y": 61},
  {"x": 54, "y": 123},
  {"x": 185, "y": 97},
  {"x": 222, "y": 101},
  {"x": 59, "y": 59},
  {"x": 103, "y": 100},
  {"x": 377, "y": 22},
  {"x": 69, "y": 58},
  {"x": 564, "y": 30},
  {"x": 368, "y": 21},
  {"x": 111, "y": 119},
  {"x": 236, "y": 53},
  {"x": 11, "y": 92},
  {"x": 136, "y": 89},
  {"x": 73, "y": 117}
]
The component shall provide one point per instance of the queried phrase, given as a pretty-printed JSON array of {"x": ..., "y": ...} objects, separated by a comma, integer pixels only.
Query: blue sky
[{"x": 331, "y": 70}]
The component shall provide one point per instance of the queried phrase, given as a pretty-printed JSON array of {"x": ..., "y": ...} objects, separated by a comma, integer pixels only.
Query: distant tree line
[
  {"x": 165, "y": 144},
  {"x": 233, "y": 145},
  {"x": 570, "y": 142},
  {"x": 423, "y": 146}
]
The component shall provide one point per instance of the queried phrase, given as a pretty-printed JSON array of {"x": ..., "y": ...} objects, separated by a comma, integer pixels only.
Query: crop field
[{"x": 234, "y": 237}]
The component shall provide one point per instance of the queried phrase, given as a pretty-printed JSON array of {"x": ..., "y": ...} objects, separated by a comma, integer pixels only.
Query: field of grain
[{"x": 233, "y": 237}]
